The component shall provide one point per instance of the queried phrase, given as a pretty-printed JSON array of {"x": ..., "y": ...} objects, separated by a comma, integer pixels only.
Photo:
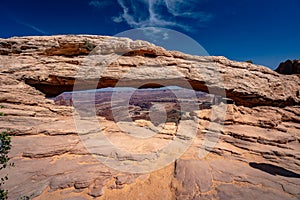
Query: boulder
[{"x": 289, "y": 67}]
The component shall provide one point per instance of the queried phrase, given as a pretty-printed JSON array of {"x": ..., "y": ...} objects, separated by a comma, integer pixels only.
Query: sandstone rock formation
[
  {"x": 289, "y": 67},
  {"x": 257, "y": 151},
  {"x": 51, "y": 65}
]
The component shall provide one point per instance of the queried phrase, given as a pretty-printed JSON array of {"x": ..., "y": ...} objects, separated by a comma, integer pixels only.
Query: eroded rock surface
[
  {"x": 52, "y": 63},
  {"x": 256, "y": 154}
]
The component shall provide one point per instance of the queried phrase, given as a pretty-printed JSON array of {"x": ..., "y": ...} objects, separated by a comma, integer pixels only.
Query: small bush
[
  {"x": 88, "y": 45},
  {"x": 24, "y": 198},
  {"x": 5, "y": 145}
]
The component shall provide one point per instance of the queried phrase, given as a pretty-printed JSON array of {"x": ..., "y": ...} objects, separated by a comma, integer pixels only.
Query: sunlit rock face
[
  {"x": 256, "y": 147},
  {"x": 52, "y": 63}
]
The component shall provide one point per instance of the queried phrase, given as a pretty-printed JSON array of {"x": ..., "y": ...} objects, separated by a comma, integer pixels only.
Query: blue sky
[{"x": 265, "y": 31}]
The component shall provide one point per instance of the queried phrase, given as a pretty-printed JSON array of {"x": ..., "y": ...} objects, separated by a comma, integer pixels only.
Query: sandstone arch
[{"x": 51, "y": 63}]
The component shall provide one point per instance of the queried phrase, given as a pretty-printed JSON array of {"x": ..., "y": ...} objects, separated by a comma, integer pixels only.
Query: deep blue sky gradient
[{"x": 265, "y": 31}]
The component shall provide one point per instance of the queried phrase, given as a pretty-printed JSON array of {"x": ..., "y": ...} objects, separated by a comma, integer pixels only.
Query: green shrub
[
  {"x": 88, "y": 45},
  {"x": 1, "y": 113},
  {"x": 24, "y": 198},
  {"x": 5, "y": 145}
]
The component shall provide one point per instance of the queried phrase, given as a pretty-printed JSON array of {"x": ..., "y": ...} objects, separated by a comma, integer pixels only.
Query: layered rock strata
[{"x": 257, "y": 151}]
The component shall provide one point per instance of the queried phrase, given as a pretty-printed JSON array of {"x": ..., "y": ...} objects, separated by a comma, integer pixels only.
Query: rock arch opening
[{"x": 142, "y": 103}]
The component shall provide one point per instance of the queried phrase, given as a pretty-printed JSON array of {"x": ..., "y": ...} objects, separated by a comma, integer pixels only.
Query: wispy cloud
[
  {"x": 118, "y": 19},
  {"x": 32, "y": 27},
  {"x": 151, "y": 14},
  {"x": 100, "y": 4},
  {"x": 188, "y": 9},
  {"x": 154, "y": 34}
]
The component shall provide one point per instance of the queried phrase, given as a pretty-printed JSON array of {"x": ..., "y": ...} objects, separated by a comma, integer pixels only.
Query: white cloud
[
  {"x": 185, "y": 9},
  {"x": 135, "y": 19},
  {"x": 118, "y": 19},
  {"x": 155, "y": 34},
  {"x": 165, "y": 36},
  {"x": 99, "y": 4}
]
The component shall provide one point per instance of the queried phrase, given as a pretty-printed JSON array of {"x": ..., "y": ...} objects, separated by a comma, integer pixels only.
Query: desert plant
[
  {"x": 1, "y": 113},
  {"x": 88, "y": 45},
  {"x": 24, "y": 198},
  {"x": 249, "y": 61},
  {"x": 5, "y": 145}
]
